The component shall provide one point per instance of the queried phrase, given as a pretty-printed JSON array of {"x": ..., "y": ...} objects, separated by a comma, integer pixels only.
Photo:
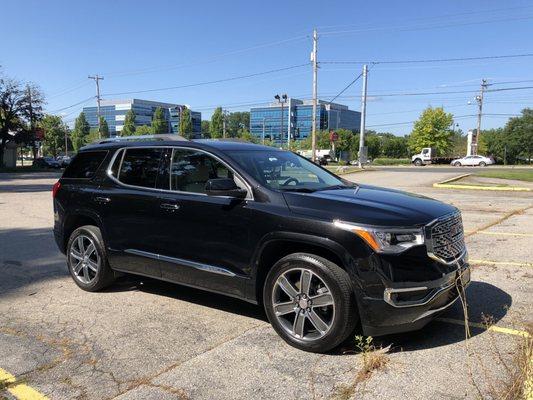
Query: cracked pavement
[{"x": 154, "y": 340}]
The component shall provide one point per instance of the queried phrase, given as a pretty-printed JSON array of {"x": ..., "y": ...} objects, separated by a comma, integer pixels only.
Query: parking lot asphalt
[{"x": 146, "y": 339}]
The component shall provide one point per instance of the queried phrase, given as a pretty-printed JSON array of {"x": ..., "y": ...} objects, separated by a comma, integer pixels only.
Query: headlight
[{"x": 384, "y": 239}]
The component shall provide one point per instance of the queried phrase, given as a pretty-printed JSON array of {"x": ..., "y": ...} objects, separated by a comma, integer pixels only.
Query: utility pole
[
  {"x": 362, "y": 152},
  {"x": 315, "y": 94},
  {"x": 479, "y": 99},
  {"x": 97, "y": 80}
]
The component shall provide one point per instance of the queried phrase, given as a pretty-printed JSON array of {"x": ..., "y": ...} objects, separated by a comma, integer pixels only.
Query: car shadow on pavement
[
  {"x": 31, "y": 188},
  {"x": 192, "y": 295}
]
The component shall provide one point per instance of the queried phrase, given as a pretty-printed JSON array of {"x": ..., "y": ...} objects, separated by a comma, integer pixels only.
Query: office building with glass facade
[
  {"x": 114, "y": 112},
  {"x": 297, "y": 119}
]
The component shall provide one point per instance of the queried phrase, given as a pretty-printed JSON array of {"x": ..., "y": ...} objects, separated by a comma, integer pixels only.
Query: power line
[
  {"x": 209, "y": 82},
  {"x": 206, "y": 61},
  {"x": 73, "y": 105},
  {"x": 431, "y": 60},
  {"x": 422, "y": 26}
]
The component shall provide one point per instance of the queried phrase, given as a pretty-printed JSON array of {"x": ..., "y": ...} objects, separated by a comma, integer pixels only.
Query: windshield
[{"x": 283, "y": 170}]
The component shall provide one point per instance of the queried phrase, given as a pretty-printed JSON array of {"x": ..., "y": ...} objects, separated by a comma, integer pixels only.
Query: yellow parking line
[
  {"x": 18, "y": 389},
  {"x": 513, "y": 263},
  {"x": 505, "y": 233},
  {"x": 493, "y": 328}
]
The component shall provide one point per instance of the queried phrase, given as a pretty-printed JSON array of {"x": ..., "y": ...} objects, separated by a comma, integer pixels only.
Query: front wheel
[
  {"x": 87, "y": 259},
  {"x": 310, "y": 302},
  {"x": 457, "y": 164},
  {"x": 482, "y": 164},
  {"x": 418, "y": 162}
]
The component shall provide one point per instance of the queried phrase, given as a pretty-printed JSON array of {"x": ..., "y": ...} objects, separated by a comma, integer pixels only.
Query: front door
[{"x": 206, "y": 240}]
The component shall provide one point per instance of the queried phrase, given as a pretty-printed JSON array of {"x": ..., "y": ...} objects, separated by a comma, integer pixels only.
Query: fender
[
  {"x": 283, "y": 236},
  {"x": 83, "y": 212}
]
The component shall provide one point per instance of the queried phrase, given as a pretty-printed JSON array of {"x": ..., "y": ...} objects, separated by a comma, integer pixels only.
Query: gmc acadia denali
[{"x": 321, "y": 254}]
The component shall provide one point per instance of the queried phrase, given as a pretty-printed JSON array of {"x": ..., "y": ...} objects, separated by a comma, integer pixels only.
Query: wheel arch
[
  {"x": 280, "y": 244},
  {"x": 77, "y": 219}
]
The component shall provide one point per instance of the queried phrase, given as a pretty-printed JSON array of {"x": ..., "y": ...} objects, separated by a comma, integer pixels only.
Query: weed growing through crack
[{"x": 373, "y": 359}]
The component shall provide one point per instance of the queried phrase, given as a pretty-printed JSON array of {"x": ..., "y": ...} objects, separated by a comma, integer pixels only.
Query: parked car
[
  {"x": 46, "y": 162},
  {"x": 472, "y": 161},
  {"x": 321, "y": 254},
  {"x": 63, "y": 160}
]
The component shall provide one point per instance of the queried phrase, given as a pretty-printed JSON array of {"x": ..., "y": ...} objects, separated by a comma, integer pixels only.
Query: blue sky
[{"x": 148, "y": 45}]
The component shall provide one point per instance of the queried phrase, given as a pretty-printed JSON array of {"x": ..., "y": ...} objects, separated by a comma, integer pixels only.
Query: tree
[
  {"x": 245, "y": 135},
  {"x": 395, "y": 147},
  {"x": 129, "y": 124},
  {"x": 237, "y": 121},
  {"x": 205, "y": 129},
  {"x": 519, "y": 134},
  {"x": 216, "y": 125},
  {"x": 144, "y": 130},
  {"x": 80, "y": 133},
  {"x": 186, "y": 123},
  {"x": 20, "y": 110},
  {"x": 54, "y": 134},
  {"x": 373, "y": 144},
  {"x": 159, "y": 123},
  {"x": 432, "y": 130},
  {"x": 104, "y": 128}
]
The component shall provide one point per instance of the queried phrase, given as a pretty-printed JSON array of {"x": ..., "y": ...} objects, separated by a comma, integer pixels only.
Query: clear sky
[{"x": 159, "y": 44}]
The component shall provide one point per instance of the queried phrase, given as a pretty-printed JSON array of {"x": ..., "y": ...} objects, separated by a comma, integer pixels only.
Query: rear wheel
[
  {"x": 87, "y": 259},
  {"x": 310, "y": 303}
]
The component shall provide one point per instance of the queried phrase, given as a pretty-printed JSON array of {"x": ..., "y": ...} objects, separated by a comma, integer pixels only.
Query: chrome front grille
[{"x": 445, "y": 238}]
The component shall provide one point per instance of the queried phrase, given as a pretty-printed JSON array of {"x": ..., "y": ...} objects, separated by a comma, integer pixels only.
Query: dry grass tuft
[{"x": 374, "y": 359}]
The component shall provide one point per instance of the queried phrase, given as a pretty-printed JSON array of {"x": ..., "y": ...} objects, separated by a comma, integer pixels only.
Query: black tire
[
  {"x": 104, "y": 276},
  {"x": 418, "y": 162},
  {"x": 482, "y": 164},
  {"x": 457, "y": 164},
  {"x": 345, "y": 317}
]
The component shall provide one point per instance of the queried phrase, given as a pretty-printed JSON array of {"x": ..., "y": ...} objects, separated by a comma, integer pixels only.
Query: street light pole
[
  {"x": 281, "y": 100},
  {"x": 315, "y": 94},
  {"x": 263, "y": 134}
]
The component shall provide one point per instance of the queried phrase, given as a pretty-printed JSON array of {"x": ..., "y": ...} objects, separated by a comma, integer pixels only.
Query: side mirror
[{"x": 224, "y": 187}]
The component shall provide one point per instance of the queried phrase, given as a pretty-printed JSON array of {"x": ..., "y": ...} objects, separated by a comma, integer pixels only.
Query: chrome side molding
[{"x": 180, "y": 261}]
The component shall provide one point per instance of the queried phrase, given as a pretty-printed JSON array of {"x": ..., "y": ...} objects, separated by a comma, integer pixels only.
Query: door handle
[
  {"x": 103, "y": 200},
  {"x": 170, "y": 206}
]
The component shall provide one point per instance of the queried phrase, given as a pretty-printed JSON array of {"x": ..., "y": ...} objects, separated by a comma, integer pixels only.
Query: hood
[{"x": 368, "y": 205}]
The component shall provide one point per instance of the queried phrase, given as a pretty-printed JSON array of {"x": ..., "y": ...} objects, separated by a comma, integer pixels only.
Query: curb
[{"x": 446, "y": 184}]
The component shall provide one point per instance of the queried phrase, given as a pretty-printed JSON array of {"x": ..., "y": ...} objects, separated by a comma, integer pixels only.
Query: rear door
[{"x": 129, "y": 205}]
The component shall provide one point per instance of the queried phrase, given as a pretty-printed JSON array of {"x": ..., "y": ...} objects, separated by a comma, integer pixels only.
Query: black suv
[{"x": 322, "y": 254}]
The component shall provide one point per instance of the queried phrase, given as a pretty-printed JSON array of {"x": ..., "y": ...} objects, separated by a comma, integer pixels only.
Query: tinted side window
[
  {"x": 85, "y": 164},
  {"x": 140, "y": 167},
  {"x": 190, "y": 170}
]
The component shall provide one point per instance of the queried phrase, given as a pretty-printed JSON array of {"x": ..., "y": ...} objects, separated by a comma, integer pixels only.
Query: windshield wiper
[
  {"x": 336, "y": 187},
  {"x": 300, "y": 190}
]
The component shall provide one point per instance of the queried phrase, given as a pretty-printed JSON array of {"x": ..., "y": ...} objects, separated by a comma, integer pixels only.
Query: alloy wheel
[
  {"x": 303, "y": 304},
  {"x": 84, "y": 259}
]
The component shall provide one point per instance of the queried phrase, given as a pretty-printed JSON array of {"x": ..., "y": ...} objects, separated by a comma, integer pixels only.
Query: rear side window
[
  {"x": 140, "y": 167},
  {"x": 84, "y": 165}
]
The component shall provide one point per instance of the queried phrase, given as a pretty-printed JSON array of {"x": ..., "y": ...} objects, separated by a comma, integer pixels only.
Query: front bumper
[{"x": 409, "y": 306}]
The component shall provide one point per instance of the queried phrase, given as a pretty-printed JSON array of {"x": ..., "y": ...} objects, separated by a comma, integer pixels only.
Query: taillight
[{"x": 55, "y": 189}]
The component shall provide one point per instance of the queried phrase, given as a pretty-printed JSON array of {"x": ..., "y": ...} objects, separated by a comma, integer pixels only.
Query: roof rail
[{"x": 166, "y": 136}]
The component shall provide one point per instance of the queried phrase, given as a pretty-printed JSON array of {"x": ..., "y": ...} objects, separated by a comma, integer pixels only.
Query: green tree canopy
[
  {"x": 216, "y": 125},
  {"x": 186, "y": 123},
  {"x": 159, "y": 123},
  {"x": 237, "y": 121},
  {"x": 205, "y": 129},
  {"x": 129, "y": 124},
  {"x": 104, "y": 128},
  {"x": 54, "y": 134},
  {"x": 80, "y": 133},
  {"x": 433, "y": 129},
  {"x": 144, "y": 130},
  {"x": 395, "y": 147}
]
